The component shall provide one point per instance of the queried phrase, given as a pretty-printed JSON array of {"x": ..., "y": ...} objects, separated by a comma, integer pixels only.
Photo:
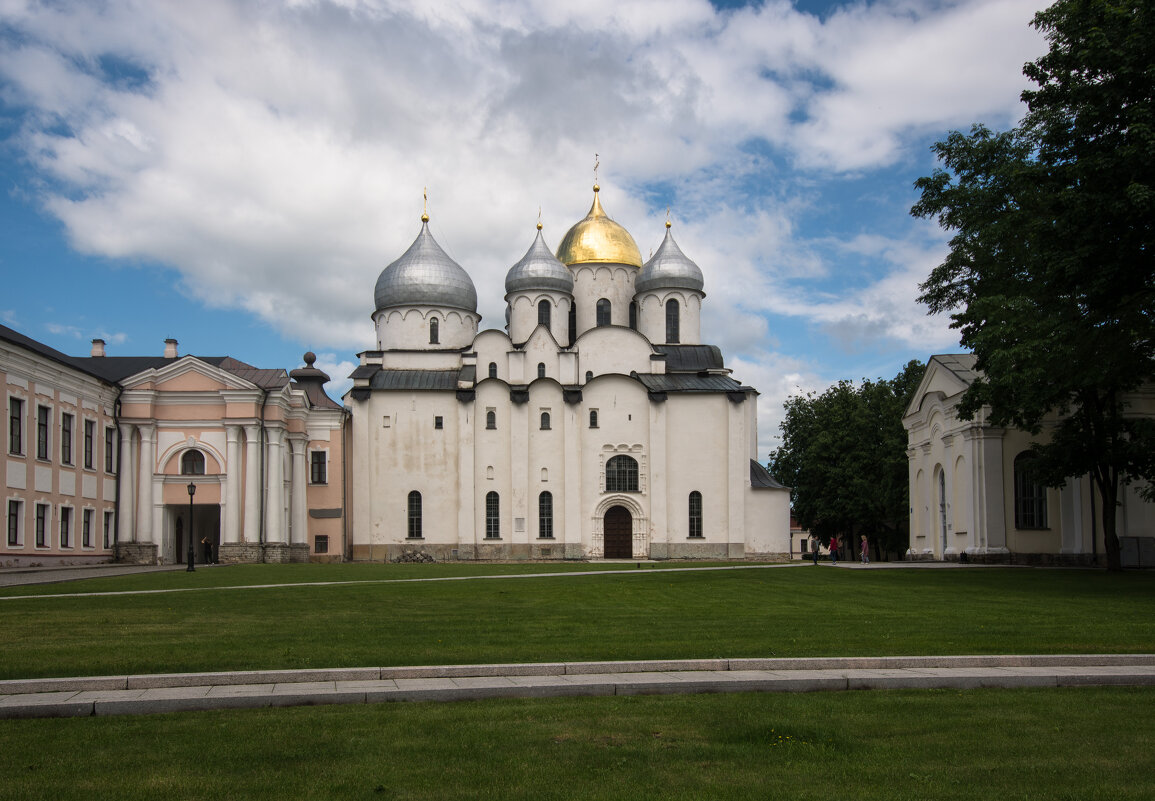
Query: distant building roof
[{"x": 691, "y": 358}]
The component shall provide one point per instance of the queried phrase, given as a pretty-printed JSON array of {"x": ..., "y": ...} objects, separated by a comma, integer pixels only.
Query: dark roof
[
  {"x": 414, "y": 379},
  {"x": 16, "y": 338},
  {"x": 681, "y": 382},
  {"x": 691, "y": 358},
  {"x": 760, "y": 477}
]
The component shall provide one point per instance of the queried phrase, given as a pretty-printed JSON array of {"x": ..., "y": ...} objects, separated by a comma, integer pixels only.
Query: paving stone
[
  {"x": 44, "y": 705},
  {"x": 21, "y": 686}
]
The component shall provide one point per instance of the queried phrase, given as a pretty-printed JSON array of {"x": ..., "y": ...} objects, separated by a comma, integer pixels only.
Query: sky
[{"x": 236, "y": 174}]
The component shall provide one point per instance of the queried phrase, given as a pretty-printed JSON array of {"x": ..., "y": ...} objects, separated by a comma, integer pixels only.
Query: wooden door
[{"x": 619, "y": 536}]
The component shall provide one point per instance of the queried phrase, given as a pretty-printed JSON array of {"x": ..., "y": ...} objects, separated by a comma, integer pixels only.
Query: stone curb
[
  {"x": 219, "y": 678},
  {"x": 204, "y": 691}
]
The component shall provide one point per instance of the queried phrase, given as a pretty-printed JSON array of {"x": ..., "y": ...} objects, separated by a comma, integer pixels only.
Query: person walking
[
  {"x": 834, "y": 550},
  {"x": 814, "y": 549},
  {"x": 865, "y": 549}
]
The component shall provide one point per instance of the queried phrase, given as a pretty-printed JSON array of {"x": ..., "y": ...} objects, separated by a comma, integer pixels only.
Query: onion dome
[
  {"x": 669, "y": 269},
  {"x": 425, "y": 276},
  {"x": 538, "y": 269},
  {"x": 598, "y": 239}
]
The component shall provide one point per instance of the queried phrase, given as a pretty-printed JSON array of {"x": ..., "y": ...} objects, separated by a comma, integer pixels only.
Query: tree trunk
[{"x": 1109, "y": 493}]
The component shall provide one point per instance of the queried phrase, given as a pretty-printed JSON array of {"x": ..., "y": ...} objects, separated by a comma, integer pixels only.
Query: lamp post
[{"x": 192, "y": 490}]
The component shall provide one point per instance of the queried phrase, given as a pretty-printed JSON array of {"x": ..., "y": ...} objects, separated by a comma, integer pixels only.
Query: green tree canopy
[
  {"x": 843, "y": 455},
  {"x": 1050, "y": 275}
]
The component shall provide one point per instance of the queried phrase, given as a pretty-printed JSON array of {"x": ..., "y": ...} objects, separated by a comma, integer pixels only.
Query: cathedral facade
[{"x": 596, "y": 425}]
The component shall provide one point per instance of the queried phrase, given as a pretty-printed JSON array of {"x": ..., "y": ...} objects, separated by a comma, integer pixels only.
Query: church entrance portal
[{"x": 619, "y": 533}]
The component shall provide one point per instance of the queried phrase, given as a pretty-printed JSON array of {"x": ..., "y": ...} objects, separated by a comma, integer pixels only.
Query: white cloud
[{"x": 275, "y": 154}]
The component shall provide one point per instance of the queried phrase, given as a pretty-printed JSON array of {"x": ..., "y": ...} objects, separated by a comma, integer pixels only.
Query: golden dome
[{"x": 598, "y": 239}]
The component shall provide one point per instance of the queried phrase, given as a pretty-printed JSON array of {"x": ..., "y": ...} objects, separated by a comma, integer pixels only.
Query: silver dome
[
  {"x": 425, "y": 276},
  {"x": 539, "y": 269},
  {"x": 669, "y": 269}
]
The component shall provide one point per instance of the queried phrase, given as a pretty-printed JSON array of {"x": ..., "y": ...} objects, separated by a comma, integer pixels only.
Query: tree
[
  {"x": 1050, "y": 276},
  {"x": 843, "y": 455}
]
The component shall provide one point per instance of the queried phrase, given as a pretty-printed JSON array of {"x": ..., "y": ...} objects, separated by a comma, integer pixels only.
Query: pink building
[{"x": 102, "y": 452}]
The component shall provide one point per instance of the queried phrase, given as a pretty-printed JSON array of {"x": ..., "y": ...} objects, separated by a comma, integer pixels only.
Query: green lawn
[
  {"x": 648, "y": 614},
  {"x": 1077, "y": 744}
]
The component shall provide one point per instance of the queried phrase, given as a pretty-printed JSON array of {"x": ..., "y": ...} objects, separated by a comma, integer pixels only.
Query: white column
[
  {"x": 275, "y": 503},
  {"x": 128, "y": 477},
  {"x": 298, "y": 523},
  {"x": 144, "y": 532},
  {"x": 252, "y": 524},
  {"x": 232, "y": 516}
]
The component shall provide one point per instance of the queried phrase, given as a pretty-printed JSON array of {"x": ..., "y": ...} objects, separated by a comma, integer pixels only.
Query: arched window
[
  {"x": 492, "y": 516},
  {"x": 543, "y": 312},
  {"x": 589, "y": 375},
  {"x": 572, "y": 322},
  {"x": 634, "y": 315},
  {"x": 593, "y": 418},
  {"x": 433, "y": 333},
  {"x": 415, "y": 515},
  {"x": 622, "y": 474},
  {"x": 192, "y": 463},
  {"x": 541, "y": 369},
  {"x": 545, "y": 515},
  {"x": 1030, "y": 495},
  {"x": 491, "y": 419},
  {"x": 545, "y": 421},
  {"x": 695, "y": 514},
  {"x": 673, "y": 321},
  {"x": 603, "y": 312},
  {"x": 493, "y": 369}
]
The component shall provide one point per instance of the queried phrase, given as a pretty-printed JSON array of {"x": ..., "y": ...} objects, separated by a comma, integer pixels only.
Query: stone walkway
[{"x": 184, "y": 692}]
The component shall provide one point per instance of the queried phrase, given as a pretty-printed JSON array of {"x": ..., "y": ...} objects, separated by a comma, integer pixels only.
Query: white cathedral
[{"x": 596, "y": 426}]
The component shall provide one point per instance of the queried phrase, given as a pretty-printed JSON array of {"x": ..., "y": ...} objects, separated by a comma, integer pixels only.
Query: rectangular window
[
  {"x": 86, "y": 529},
  {"x": 65, "y": 527},
  {"x": 318, "y": 468},
  {"x": 66, "y": 438},
  {"x": 41, "y": 525},
  {"x": 15, "y": 426},
  {"x": 89, "y": 445},
  {"x": 321, "y": 543},
  {"x": 15, "y": 518},
  {"x": 695, "y": 514},
  {"x": 42, "y": 415},
  {"x": 109, "y": 448},
  {"x": 108, "y": 529},
  {"x": 438, "y": 422}
]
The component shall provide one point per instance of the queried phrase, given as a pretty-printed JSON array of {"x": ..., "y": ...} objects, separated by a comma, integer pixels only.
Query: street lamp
[{"x": 192, "y": 490}]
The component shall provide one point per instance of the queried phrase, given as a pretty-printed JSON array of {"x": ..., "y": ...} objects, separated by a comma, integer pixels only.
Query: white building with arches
[
  {"x": 971, "y": 497},
  {"x": 596, "y": 425}
]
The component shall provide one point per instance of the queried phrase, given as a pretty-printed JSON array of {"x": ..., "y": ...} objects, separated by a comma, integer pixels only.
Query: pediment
[
  {"x": 188, "y": 374},
  {"x": 938, "y": 380}
]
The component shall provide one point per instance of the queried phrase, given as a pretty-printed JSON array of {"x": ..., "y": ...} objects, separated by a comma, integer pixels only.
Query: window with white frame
[
  {"x": 108, "y": 518},
  {"x": 86, "y": 528},
  {"x": 89, "y": 443},
  {"x": 492, "y": 516},
  {"x": 545, "y": 515},
  {"x": 66, "y": 420},
  {"x": 695, "y": 514},
  {"x": 109, "y": 449},
  {"x": 15, "y": 524},
  {"x": 41, "y": 525},
  {"x": 415, "y": 513},
  {"x": 65, "y": 526},
  {"x": 16, "y": 426},
  {"x": 622, "y": 474},
  {"x": 192, "y": 463},
  {"x": 318, "y": 467},
  {"x": 43, "y": 416}
]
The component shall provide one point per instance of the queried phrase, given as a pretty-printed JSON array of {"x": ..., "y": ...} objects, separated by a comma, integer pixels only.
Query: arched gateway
[{"x": 619, "y": 533}]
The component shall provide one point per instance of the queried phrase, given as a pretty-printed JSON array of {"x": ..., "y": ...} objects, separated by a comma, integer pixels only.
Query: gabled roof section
[
  {"x": 760, "y": 477},
  {"x": 118, "y": 368},
  {"x": 39, "y": 348},
  {"x": 274, "y": 378},
  {"x": 949, "y": 373}
]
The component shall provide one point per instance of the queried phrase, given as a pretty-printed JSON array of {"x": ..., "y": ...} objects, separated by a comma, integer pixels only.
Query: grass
[
  {"x": 1084, "y": 744},
  {"x": 647, "y": 614}
]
